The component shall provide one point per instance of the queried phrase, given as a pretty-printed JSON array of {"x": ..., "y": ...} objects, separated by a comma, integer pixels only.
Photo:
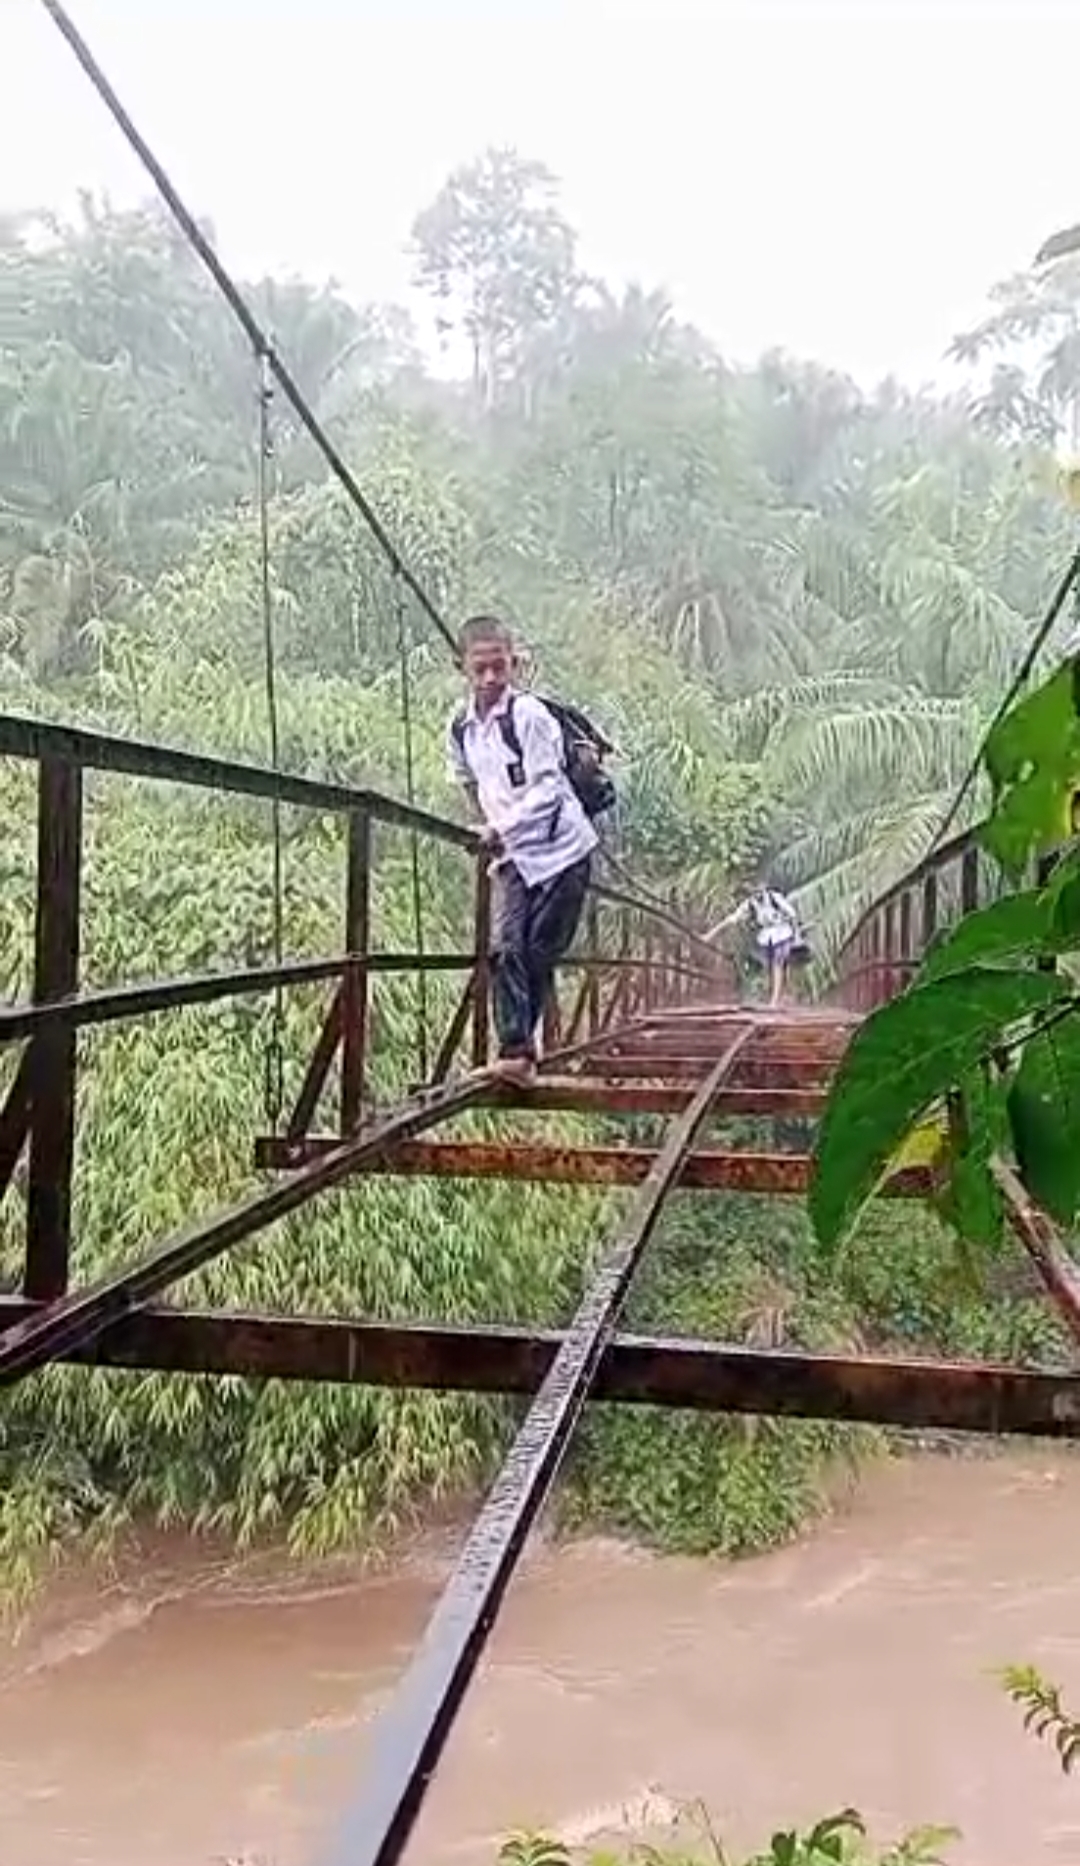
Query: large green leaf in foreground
[
  {"x": 1044, "y": 1110},
  {"x": 1033, "y": 760},
  {"x": 1016, "y": 926},
  {"x": 971, "y": 1200},
  {"x": 902, "y": 1059}
]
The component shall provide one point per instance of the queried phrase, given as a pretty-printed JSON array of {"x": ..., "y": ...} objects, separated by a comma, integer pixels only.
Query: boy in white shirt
[{"x": 508, "y": 751}]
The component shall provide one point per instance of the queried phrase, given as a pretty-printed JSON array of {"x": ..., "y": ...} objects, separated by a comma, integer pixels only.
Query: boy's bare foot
[{"x": 516, "y": 1071}]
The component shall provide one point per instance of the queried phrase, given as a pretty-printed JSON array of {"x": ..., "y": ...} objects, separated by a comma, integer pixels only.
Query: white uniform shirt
[
  {"x": 773, "y": 917},
  {"x": 541, "y": 823}
]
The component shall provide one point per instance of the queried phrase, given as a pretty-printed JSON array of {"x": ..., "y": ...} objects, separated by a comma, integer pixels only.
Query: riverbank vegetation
[
  {"x": 791, "y": 601},
  {"x": 691, "y": 1835},
  {"x": 838, "y": 1840}
]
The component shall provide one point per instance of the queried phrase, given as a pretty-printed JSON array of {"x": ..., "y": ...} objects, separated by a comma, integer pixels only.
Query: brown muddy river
[{"x": 195, "y": 1712}]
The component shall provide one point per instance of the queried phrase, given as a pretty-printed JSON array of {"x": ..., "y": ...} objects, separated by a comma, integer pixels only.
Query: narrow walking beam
[
  {"x": 710, "y": 1170},
  {"x": 408, "y": 1739}
]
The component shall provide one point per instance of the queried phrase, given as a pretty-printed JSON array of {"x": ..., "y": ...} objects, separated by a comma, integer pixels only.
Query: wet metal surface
[
  {"x": 78, "y": 1319},
  {"x": 699, "y": 1375},
  {"x": 410, "y": 1735},
  {"x": 709, "y": 1169}
]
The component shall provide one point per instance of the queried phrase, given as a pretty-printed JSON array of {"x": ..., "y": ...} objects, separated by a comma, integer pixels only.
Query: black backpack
[{"x": 584, "y": 751}]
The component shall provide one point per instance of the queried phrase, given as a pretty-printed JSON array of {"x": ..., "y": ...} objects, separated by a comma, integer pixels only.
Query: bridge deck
[{"x": 646, "y": 1037}]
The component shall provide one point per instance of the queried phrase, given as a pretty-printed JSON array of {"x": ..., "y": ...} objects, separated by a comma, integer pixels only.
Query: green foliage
[
  {"x": 1044, "y": 1105},
  {"x": 1017, "y": 927},
  {"x": 1032, "y": 758},
  {"x": 723, "y": 1269},
  {"x": 980, "y": 1032},
  {"x": 898, "y": 1064},
  {"x": 1044, "y": 1714},
  {"x": 838, "y": 1840}
]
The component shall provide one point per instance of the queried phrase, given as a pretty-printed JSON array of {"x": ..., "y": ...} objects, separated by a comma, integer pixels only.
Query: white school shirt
[
  {"x": 541, "y": 823},
  {"x": 774, "y": 917}
]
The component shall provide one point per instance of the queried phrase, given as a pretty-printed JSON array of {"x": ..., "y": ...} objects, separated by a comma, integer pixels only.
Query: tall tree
[
  {"x": 1034, "y": 330},
  {"x": 500, "y": 258}
]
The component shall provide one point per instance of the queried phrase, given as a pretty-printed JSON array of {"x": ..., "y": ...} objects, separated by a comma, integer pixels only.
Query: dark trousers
[{"x": 534, "y": 929}]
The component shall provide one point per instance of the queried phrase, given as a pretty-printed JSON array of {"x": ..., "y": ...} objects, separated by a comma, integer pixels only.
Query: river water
[{"x": 191, "y": 1711}]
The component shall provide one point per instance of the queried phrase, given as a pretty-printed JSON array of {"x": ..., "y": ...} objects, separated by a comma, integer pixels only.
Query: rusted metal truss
[
  {"x": 409, "y": 1736},
  {"x": 698, "y": 1376},
  {"x": 599, "y": 1095},
  {"x": 38, "y": 1113},
  {"x": 645, "y": 1025},
  {"x": 704, "y": 1170}
]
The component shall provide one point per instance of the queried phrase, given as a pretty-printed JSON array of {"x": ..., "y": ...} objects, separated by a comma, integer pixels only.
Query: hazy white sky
[{"x": 845, "y": 180}]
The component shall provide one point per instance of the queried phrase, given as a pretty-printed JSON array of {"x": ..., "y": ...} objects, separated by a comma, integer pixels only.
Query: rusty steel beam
[
  {"x": 774, "y": 1071},
  {"x": 112, "y": 1004},
  {"x": 655, "y": 1068},
  {"x": 594, "y": 1095},
  {"x": 783, "y": 1072},
  {"x": 463, "y": 1013},
  {"x": 698, "y": 1376},
  {"x": 354, "y": 997},
  {"x": 39, "y": 739},
  {"x": 79, "y": 1319},
  {"x": 52, "y": 1054},
  {"x": 707, "y": 1170},
  {"x": 668, "y": 1037},
  {"x": 318, "y": 1069},
  {"x": 410, "y": 1734},
  {"x": 15, "y": 1120}
]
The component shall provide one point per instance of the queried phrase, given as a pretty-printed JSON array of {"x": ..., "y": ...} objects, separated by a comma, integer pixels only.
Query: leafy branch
[
  {"x": 980, "y": 1058},
  {"x": 838, "y": 1840},
  {"x": 1044, "y": 1714}
]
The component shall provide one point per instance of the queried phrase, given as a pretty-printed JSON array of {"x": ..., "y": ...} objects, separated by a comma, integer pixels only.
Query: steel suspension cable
[
  {"x": 257, "y": 337},
  {"x": 1019, "y": 680},
  {"x": 275, "y": 1048},
  {"x": 404, "y": 646}
]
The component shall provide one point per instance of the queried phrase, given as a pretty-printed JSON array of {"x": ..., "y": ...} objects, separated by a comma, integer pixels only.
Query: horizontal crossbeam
[
  {"x": 37, "y": 739},
  {"x": 115, "y": 1003},
  {"x": 594, "y": 1095},
  {"x": 776, "y": 1070},
  {"x": 706, "y": 1170},
  {"x": 77, "y": 1320},
  {"x": 699, "y": 1376}
]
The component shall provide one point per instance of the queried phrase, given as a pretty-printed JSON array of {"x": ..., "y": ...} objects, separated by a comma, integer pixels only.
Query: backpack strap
[
  {"x": 572, "y": 718},
  {"x": 509, "y": 733}
]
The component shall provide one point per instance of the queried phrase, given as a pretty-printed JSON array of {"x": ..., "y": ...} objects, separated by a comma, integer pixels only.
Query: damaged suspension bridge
[{"x": 646, "y": 1024}]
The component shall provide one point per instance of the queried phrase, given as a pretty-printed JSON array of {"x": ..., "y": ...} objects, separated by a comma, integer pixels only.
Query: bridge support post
[
  {"x": 51, "y": 1063},
  {"x": 481, "y": 993},
  {"x": 354, "y": 983},
  {"x": 592, "y": 977}
]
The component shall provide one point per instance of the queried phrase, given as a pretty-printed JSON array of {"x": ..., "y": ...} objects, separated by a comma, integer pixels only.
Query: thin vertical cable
[
  {"x": 275, "y": 1054},
  {"x": 404, "y": 640}
]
